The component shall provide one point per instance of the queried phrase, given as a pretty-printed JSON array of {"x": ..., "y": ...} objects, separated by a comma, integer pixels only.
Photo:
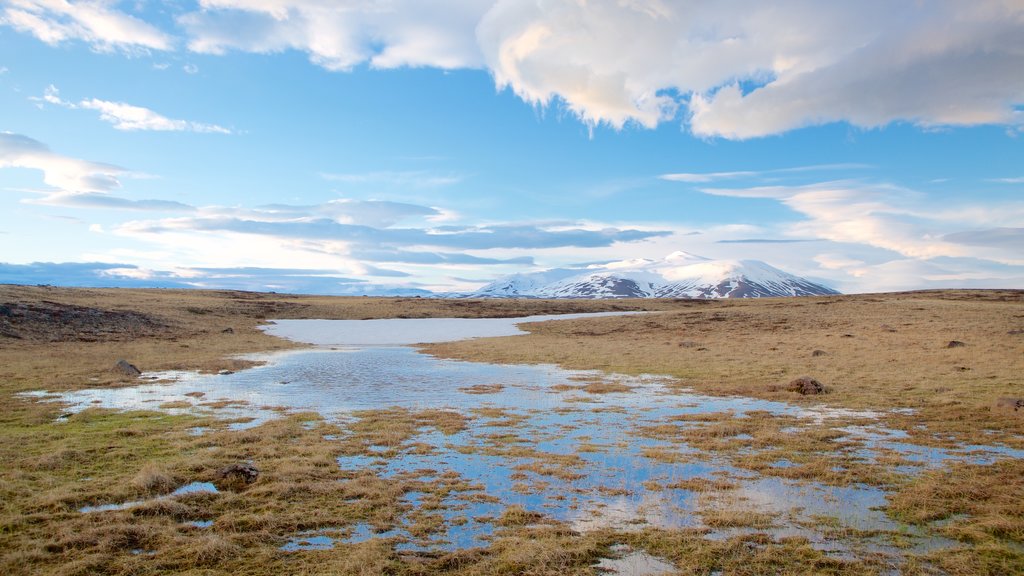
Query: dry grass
[{"x": 881, "y": 351}]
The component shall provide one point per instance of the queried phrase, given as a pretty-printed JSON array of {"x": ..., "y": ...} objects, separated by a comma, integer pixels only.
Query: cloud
[
  {"x": 339, "y": 36},
  {"x": 103, "y": 274},
  {"x": 521, "y": 236},
  {"x": 373, "y": 213},
  {"x": 761, "y": 241},
  {"x": 62, "y": 172},
  {"x": 893, "y": 218},
  {"x": 705, "y": 177},
  {"x": 435, "y": 258},
  {"x": 747, "y": 69},
  {"x": 913, "y": 274},
  {"x": 79, "y": 183},
  {"x": 94, "y": 22},
  {"x": 1018, "y": 180},
  {"x": 1009, "y": 238},
  {"x": 734, "y": 69},
  {"x": 414, "y": 178},
  {"x": 108, "y": 201},
  {"x": 129, "y": 117}
]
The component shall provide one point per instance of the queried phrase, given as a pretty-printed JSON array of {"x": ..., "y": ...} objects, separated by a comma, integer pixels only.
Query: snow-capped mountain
[{"x": 680, "y": 275}]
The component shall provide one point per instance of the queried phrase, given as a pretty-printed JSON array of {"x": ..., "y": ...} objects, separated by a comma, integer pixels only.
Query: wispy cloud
[
  {"x": 414, "y": 178},
  {"x": 76, "y": 183},
  {"x": 706, "y": 177},
  {"x": 96, "y": 23},
  {"x": 1016, "y": 180},
  {"x": 889, "y": 217},
  {"x": 62, "y": 172},
  {"x": 129, "y": 117},
  {"x": 104, "y": 274}
]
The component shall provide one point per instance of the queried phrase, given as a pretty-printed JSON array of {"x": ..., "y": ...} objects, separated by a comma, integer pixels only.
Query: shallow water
[{"x": 612, "y": 483}]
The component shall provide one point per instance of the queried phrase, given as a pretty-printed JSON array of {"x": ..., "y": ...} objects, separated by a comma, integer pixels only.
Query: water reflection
[{"x": 530, "y": 443}]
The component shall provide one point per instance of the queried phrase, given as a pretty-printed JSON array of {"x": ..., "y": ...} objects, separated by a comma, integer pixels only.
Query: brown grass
[{"x": 48, "y": 471}]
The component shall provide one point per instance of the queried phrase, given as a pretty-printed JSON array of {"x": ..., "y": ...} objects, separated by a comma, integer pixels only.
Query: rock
[
  {"x": 225, "y": 372},
  {"x": 238, "y": 475},
  {"x": 806, "y": 385},
  {"x": 228, "y": 330},
  {"x": 817, "y": 353},
  {"x": 127, "y": 369},
  {"x": 955, "y": 344},
  {"x": 1010, "y": 404}
]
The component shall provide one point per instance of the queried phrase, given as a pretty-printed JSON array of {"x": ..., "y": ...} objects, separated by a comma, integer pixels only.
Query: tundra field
[{"x": 903, "y": 378}]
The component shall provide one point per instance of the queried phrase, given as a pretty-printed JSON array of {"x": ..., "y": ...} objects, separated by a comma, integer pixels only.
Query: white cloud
[
  {"x": 128, "y": 117},
  {"x": 62, "y": 172},
  {"x": 1018, "y": 180},
  {"x": 890, "y": 217},
  {"x": 94, "y": 22},
  {"x": 704, "y": 177},
  {"x": 733, "y": 68},
  {"x": 340, "y": 35}
]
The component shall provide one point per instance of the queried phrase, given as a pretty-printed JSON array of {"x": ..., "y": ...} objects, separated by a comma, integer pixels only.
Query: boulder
[
  {"x": 126, "y": 368},
  {"x": 1010, "y": 404},
  {"x": 238, "y": 475},
  {"x": 955, "y": 344},
  {"x": 806, "y": 385}
]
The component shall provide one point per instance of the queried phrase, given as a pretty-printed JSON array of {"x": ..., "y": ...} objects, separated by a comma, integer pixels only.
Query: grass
[{"x": 880, "y": 352}]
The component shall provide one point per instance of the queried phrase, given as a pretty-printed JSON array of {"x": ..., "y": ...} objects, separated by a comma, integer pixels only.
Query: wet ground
[{"x": 567, "y": 446}]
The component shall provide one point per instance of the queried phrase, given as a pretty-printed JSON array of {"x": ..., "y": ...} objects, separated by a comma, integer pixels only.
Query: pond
[{"x": 570, "y": 446}]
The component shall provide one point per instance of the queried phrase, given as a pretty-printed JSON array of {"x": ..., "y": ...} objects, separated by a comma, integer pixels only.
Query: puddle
[
  {"x": 408, "y": 331},
  {"x": 191, "y": 488},
  {"x": 196, "y": 488},
  {"x": 530, "y": 442},
  {"x": 628, "y": 562},
  {"x": 310, "y": 542}
]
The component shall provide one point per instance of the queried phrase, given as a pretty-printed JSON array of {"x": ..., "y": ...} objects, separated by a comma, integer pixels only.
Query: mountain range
[{"x": 679, "y": 275}]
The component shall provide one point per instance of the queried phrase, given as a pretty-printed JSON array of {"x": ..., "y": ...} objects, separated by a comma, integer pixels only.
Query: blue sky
[{"x": 356, "y": 147}]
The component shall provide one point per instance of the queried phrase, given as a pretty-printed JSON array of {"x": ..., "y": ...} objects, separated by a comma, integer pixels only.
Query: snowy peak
[{"x": 679, "y": 275}]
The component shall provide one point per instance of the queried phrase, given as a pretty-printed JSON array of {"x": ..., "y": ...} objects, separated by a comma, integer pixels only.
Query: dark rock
[
  {"x": 806, "y": 385},
  {"x": 228, "y": 330},
  {"x": 817, "y": 353},
  {"x": 238, "y": 475},
  {"x": 955, "y": 344},
  {"x": 127, "y": 369},
  {"x": 1010, "y": 404}
]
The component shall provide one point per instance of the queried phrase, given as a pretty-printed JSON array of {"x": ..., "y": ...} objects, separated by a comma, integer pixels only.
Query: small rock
[
  {"x": 955, "y": 344},
  {"x": 128, "y": 369},
  {"x": 806, "y": 385},
  {"x": 887, "y": 328},
  {"x": 225, "y": 372},
  {"x": 817, "y": 353},
  {"x": 239, "y": 475},
  {"x": 228, "y": 330},
  {"x": 1014, "y": 404}
]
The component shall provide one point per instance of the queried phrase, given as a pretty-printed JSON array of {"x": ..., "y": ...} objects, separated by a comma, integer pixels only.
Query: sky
[{"x": 384, "y": 147}]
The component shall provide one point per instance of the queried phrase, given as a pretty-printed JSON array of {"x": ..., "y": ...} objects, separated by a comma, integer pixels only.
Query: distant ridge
[{"x": 679, "y": 275}]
